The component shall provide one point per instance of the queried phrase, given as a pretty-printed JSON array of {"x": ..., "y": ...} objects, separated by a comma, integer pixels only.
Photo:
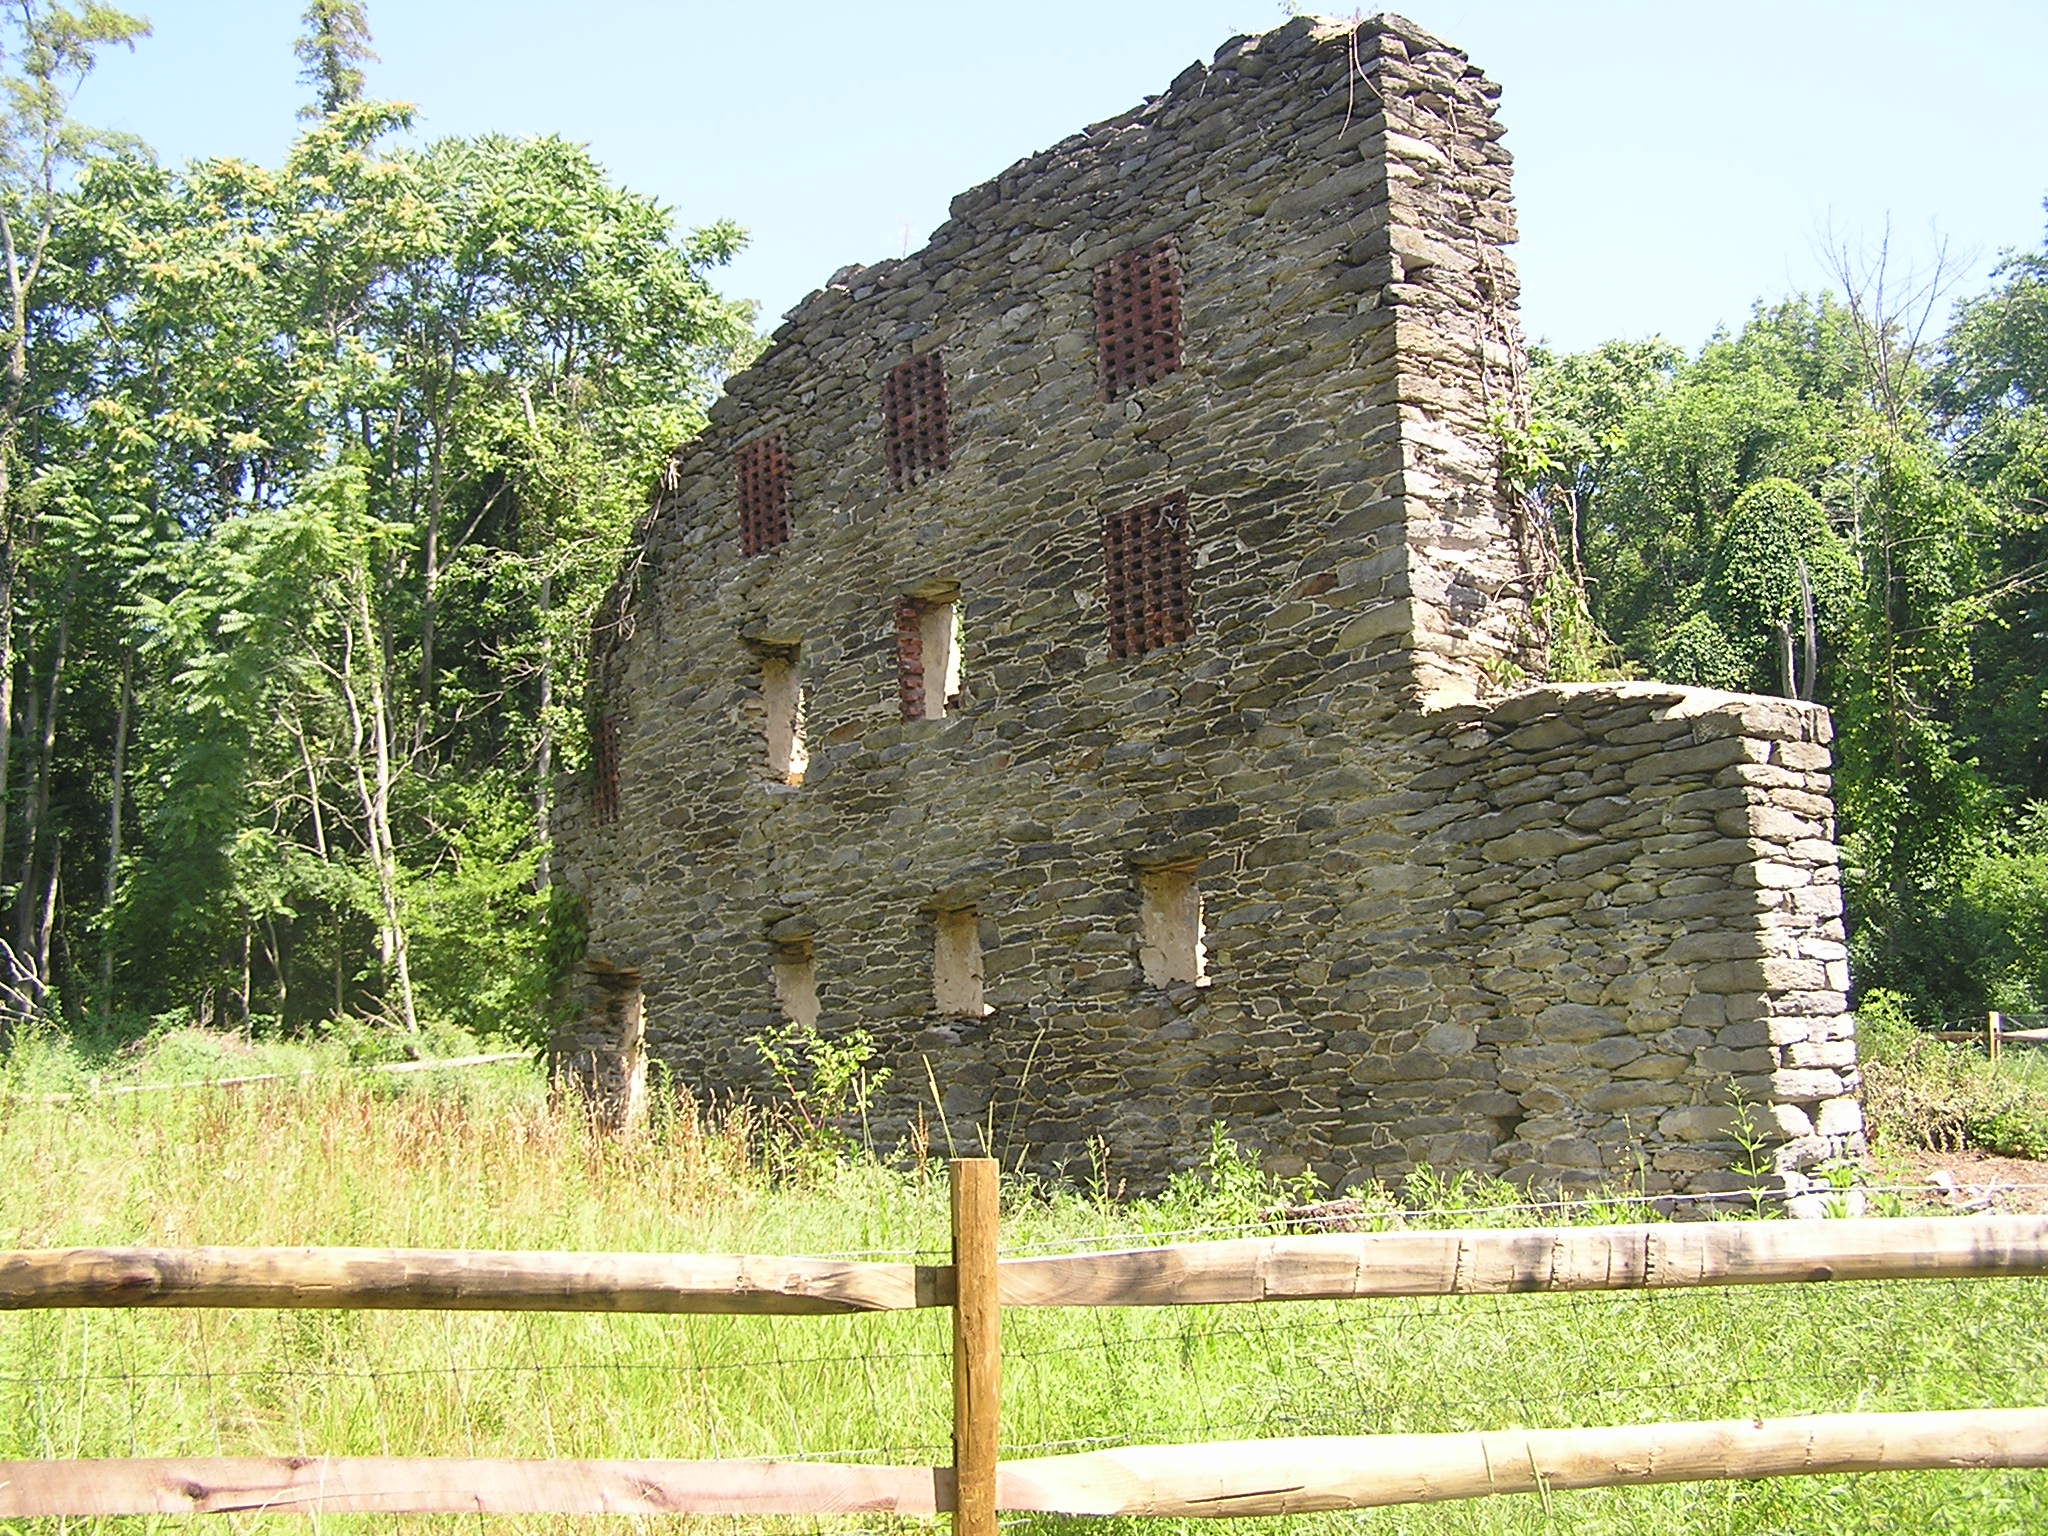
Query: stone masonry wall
[{"x": 1553, "y": 932}]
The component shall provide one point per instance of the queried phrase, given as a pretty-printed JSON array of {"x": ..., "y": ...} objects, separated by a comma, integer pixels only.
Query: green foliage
[
  {"x": 1776, "y": 560},
  {"x": 825, "y": 1086},
  {"x": 333, "y": 462},
  {"x": 1699, "y": 653},
  {"x": 2013, "y": 1132},
  {"x": 1944, "y": 1096},
  {"x": 1576, "y": 649},
  {"x": 1885, "y": 1027},
  {"x": 1229, "y": 1187},
  {"x": 334, "y": 48},
  {"x": 482, "y": 942},
  {"x": 1690, "y": 495},
  {"x": 1977, "y": 939},
  {"x": 1756, "y": 1162}
]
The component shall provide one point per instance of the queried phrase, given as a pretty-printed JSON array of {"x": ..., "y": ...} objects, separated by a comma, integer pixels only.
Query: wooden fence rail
[
  {"x": 1323, "y": 1267},
  {"x": 1244, "y": 1478}
]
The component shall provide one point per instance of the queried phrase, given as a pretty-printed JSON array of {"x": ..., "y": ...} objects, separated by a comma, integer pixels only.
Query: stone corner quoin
[{"x": 1091, "y": 654}]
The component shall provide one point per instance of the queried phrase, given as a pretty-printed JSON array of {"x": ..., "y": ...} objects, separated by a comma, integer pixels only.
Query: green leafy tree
[
  {"x": 1780, "y": 581},
  {"x": 436, "y": 386},
  {"x": 52, "y": 47}
]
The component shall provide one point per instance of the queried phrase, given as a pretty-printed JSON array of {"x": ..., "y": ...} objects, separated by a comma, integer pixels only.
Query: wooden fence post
[
  {"x": 977, "y": 1345},
  {"x": 1993, "y": 1028}
]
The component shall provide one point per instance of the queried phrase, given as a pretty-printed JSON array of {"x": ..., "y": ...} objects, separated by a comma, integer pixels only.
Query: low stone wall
[{"x": 1645, "y": 901}]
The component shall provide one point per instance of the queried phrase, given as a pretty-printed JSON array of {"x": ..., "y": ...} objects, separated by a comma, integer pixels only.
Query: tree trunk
[
  {"x": 273, "y": 953},
  {"x": 544, "y": 765},
  {"x": 1812, "y": 627},
  {"x": 430, "y": 575},
  {"x": 111, "y": 887},
  {"x": 376, "y": 801},
  {"x": 11, "y": 1010},
  {"x": 34, "y": 917},
  {"x": 46, "y": 925},
  {"x": 242, "y": 992}
]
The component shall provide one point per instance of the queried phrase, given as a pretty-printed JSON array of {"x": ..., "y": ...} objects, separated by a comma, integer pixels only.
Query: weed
[
  {"x": 1944, "y": 1096},
  {"x": 1230, "y": 1188},
  {"x": 1755, "y": 1165},
  {"x": 825, "y": 1084}
]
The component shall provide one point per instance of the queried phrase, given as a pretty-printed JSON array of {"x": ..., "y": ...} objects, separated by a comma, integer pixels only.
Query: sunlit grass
[{"x": 482, "y": 1160}]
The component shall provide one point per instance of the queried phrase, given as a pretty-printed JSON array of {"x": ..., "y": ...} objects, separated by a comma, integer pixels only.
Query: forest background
[{"x": 313, "y": 476}]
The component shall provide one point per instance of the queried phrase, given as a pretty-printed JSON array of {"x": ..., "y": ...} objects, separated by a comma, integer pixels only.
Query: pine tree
[{"x": 335, "y": 46}]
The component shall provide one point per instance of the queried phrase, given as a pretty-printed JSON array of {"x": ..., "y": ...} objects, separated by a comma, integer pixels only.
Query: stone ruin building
[{"x": 1095, "y": 655}]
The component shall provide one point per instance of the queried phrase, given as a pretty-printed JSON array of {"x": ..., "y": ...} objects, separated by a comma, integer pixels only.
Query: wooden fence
[
  {"x": 1235, "y": 1478},
  {"x": 1994, "y": 1034}
]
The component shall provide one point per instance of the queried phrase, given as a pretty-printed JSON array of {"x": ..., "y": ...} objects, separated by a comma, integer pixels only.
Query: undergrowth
[{"x": 1944, "y": 1095}]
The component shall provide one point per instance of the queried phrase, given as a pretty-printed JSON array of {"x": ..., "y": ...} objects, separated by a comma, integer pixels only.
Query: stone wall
[
  {"x": 1645, "y": 912},
  {"x": 1233, "y": 630}
]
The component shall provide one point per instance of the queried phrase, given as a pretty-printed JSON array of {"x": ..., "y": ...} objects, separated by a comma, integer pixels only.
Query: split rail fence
[
  {"x": 1255, "y": 1477},
  {"x": 1994, "y": 1034}
]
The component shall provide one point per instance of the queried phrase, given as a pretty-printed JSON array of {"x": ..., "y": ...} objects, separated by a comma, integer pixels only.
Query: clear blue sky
[{"x": 1675, "y": 159}]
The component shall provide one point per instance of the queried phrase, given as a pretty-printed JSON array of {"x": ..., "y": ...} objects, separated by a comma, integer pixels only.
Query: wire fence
[{"x": 875, "y": 1389}]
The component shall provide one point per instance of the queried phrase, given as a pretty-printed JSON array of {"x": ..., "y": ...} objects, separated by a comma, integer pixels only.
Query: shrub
[{"x": 1944, "y": 1097}]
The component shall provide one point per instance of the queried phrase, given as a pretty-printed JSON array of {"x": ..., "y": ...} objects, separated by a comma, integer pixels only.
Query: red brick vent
[
  {"x": 1137, "y": 317},
  {"x": 763, "y": 470},
  {"x": 1145, "y": 571},
  {"x": 916, "y": 426},
  {"x": 604, "y": 770},
  {"x": 910, "y": 657}
]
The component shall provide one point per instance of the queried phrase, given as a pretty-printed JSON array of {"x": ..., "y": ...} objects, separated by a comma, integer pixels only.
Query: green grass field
[{"x": 480, "y": 1159}]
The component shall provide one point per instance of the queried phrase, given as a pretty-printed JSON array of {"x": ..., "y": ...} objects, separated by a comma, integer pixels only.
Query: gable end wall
[{"x": 1548, "y": 933}]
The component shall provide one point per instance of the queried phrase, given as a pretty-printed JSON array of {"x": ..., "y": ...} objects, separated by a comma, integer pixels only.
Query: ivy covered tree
[{"x": 1778, "y": 583}]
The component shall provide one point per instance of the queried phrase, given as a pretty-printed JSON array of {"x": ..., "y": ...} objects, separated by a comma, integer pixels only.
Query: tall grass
[{"x": 483, "y": 1160}]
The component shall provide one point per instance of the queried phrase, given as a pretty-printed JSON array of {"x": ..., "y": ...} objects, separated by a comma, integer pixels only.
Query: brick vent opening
[
  {"x": 1137, "y": 317},
  {"x": 1145, "y": 576},
  {"x": 763, "y": 473},
  {"x": 916, "y": 423},
  {"x": 604, "y": 770},
  {"x": 927, "y": 656}
]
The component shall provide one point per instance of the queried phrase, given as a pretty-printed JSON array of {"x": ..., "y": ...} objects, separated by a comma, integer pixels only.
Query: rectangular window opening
[
  {"x": 956, "y": 964},
  {"x": 607, "y": 1057},
  {"x": 928, "y": 655},
  {"x": 796, "y": 983},
  {"x": 1170, "y": 948},
  {"x": 782, "y": 699}
]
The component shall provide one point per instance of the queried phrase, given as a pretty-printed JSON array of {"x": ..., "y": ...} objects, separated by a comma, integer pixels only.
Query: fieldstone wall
[
  {"x": 1645, "y": 911},
  {"x": 1444, "y": 916}
]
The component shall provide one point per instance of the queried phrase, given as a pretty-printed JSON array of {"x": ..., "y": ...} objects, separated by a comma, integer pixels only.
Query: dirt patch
[{"x": 1966, "y": 1181}]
